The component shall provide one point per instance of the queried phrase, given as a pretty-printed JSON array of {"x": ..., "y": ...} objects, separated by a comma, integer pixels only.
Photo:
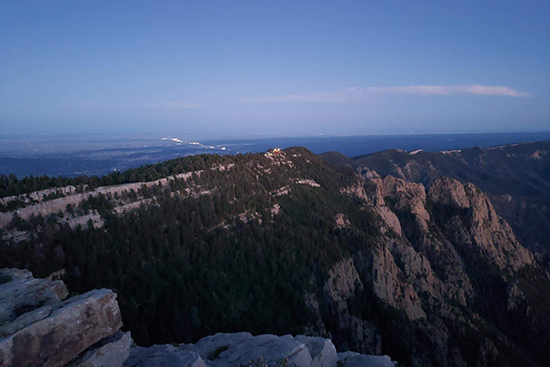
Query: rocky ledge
[{"x": 39, "y": 327}]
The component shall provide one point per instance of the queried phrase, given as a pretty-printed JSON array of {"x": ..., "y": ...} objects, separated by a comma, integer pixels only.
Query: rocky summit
[{"x": 40, "y": 328}]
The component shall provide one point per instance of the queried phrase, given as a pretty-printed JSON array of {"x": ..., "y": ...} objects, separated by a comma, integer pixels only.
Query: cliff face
[{"x": 447, "y": 261}]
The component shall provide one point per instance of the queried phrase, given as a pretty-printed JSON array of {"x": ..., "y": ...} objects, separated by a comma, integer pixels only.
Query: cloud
[
  {"x": 449, "y": 90},
  {"x": 174, "y": 105},
  {"x": 357, "y": 95}
]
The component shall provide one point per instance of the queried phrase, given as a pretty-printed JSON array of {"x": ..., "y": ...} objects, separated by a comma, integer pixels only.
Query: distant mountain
[{"x": 421, "y": 268}]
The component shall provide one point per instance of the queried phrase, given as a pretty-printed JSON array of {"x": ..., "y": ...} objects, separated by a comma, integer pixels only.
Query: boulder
[
  {"x": 211, "y": 347},
  {"x": 71, "y": 327}
]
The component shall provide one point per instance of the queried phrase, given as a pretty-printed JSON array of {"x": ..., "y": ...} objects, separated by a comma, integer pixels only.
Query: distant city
[{"x": 74, "y": 155}]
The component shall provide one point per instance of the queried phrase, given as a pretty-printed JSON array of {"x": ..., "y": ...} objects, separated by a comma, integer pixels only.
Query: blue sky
[{"x": 274, "y": 68}]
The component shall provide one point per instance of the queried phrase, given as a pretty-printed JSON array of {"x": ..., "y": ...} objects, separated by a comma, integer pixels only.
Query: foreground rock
[
  {"x": 244, "y": 349},
  {"x": 40, "y": 330},
  {"x": 22, "y": 293}
]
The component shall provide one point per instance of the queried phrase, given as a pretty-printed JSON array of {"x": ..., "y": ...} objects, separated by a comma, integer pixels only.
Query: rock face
[
  {"x": 486, "y": 232},
  {"x": 70, "y": 328},
  {"x": 440, "y": 251},
  {"x": 40, "y": 330}
]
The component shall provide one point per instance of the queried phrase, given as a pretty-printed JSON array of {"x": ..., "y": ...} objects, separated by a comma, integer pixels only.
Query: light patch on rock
[
  {"x": 281, "y": 191},
  {"x": 538, "y": 154},
  {"x": 341, "y": 220},
  {"x": 306, "y": 182},
  {"x": 515, "y": 296},
  {"x": 342, "y": 282}
]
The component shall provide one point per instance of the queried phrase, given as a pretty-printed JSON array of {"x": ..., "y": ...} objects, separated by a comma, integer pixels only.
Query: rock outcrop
[
  {"x": 244, "y": 349},
  {"x": 39, "y": 329},
  {"x": 352, "y": 359}
]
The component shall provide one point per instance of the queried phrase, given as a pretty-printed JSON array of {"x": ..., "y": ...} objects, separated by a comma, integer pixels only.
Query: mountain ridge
[{"x": 515, "y": 176}]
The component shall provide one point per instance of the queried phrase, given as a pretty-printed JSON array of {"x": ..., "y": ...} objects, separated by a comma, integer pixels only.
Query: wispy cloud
[
  {"x": 357, "y": 94},
  {"x": 174, "y": 105}
]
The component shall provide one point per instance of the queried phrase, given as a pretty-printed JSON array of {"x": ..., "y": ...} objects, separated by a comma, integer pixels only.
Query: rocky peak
[
  {"x": 449, "y": 191},
  {"x": 475, "y": 223},
  {"x": 406, "y": 196}
]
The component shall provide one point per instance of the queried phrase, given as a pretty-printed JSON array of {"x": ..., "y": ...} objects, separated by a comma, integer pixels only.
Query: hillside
[{"x": 427, "y": 274}]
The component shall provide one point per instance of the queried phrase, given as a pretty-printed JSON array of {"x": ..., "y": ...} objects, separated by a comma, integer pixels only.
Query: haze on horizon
[{"x": 274, "y": 68}]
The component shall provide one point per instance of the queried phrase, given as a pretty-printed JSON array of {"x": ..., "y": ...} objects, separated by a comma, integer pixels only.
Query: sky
[{"x": 274, "y": 68}]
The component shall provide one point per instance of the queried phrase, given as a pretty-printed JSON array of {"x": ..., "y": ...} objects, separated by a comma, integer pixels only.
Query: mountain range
[{"x": 437, "y": 258}]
